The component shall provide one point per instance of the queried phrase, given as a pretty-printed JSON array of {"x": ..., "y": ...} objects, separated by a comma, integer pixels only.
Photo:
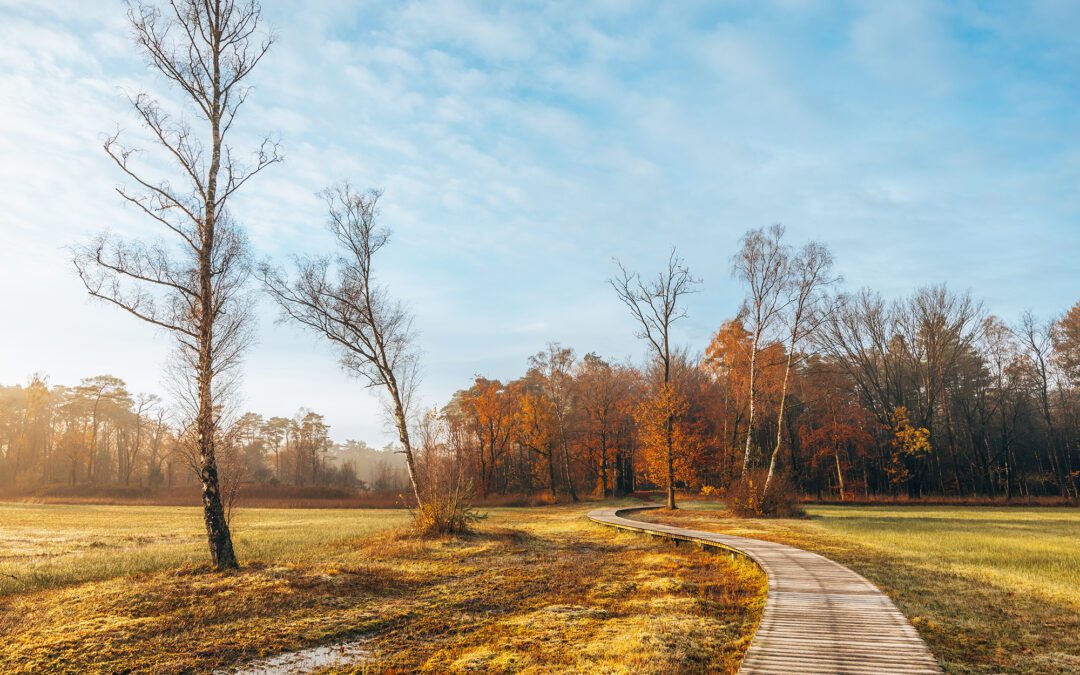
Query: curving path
[{"x": 820, "y": 617}]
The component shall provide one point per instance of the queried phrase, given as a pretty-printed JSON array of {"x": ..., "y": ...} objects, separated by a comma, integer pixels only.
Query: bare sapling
[{"x": 340, "y": 298}]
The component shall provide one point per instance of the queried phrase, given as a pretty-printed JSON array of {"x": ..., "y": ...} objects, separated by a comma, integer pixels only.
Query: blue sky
[{"x": 522, "y": 145}]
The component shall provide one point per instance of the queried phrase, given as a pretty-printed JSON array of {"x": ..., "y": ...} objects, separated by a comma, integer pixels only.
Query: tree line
[
  {"x": 98, "y": 433},
  {"x": 842, "y": 394}
]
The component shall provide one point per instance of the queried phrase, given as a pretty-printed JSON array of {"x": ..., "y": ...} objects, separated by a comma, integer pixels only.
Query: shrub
[
  {"x": 446, "y": 511},
  {"x": 744, "y": 497}
]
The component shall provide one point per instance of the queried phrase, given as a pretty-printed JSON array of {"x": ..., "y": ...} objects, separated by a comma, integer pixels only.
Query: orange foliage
[
  {"x": 534, "y": 420},
  {"x": 1067, "y": 342},
  {"x": 652, "y": 417},
  {"x": 490, "y": 418},
  {"x": 727, "y": 361},
  {"x": 909, "y": 443}
]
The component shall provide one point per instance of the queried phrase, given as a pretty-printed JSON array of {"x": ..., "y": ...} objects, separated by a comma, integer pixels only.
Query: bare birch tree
[
  {"x": 809, "y": 274},
  {"x": 762, "y": 263},
  {"x": 655, "y": 305},
  {"x": 192, "y": 281},
  {"x": 340, "y": 298}
]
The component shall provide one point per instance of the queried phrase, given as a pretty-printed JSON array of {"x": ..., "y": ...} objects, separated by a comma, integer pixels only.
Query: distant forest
[{"x": 99, "y": 433}]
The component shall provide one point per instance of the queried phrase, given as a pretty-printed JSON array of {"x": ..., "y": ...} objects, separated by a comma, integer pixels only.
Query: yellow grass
[
  {"x": 536, "y": 590},
  {"x": 47, "y": 545}
]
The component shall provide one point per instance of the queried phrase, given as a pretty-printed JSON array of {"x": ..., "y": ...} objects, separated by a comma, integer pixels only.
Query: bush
[
  {"x": 446, "y": 511},
  {"x": 744, "y": 498}
]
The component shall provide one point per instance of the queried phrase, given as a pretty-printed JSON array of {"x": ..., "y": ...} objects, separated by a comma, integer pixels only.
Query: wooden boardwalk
[{"x": 820, "y": 617}]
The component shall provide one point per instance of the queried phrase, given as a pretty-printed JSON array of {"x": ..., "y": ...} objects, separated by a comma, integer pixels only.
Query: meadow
[
  {"x": 50, "y": 545},
  {"x": 86, "y": 587},
  {"x": 991, "y": 589},
  {"x": 110, "y": 588}
]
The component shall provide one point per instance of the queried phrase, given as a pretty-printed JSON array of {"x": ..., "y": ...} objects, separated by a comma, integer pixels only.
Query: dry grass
[
  {"x": 44, "y": 546},
  {"x": 537, "y": 590},
  {"x": 990, "y": 589}
]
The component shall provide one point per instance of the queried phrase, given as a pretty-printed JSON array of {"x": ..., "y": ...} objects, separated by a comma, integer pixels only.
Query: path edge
[
  {"x": 595, "y": 517},
  {"x": 602, "y": 516},
  {"x": 734, "y": 552}
]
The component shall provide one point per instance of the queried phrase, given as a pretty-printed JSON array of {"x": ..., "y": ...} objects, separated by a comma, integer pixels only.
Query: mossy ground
[
  {"x": 534, "y": 590},
  {"x": 991, "y": 589}
]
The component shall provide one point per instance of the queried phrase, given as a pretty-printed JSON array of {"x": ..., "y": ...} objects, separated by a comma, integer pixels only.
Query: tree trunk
[
  {"x": 551, "y": 471},
  {"x": 406, "y": 444},
  {"x": 753, "y": 396},
  {"x": 839, "y": 473},
  {"x": 779, "y": 421},
  {"x": 217, "y": 527},
  {"x": 603, "y": 466},
  {"x": 670, "y": 466},
  {"x": 566, "y": 466}
]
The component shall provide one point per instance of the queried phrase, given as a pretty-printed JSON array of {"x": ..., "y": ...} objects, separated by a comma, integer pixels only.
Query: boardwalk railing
[{"x": 819, "y": 617}]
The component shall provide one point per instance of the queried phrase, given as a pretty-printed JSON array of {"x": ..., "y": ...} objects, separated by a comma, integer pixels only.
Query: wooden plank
[{"x": 819, "y": 617}]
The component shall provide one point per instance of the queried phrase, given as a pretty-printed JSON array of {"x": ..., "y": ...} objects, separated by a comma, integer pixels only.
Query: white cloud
[{"x": 522, "y": 146}]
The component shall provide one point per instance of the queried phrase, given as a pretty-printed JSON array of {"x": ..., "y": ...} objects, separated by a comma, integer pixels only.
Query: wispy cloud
[{"x": 522, "y": 146}]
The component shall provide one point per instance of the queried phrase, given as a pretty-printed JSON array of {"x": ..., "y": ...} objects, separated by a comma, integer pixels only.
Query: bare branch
[{"x": 341, "y": 300}]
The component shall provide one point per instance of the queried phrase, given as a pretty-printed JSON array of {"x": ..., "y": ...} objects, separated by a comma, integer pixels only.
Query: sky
[{"x": 522, "y": 146}]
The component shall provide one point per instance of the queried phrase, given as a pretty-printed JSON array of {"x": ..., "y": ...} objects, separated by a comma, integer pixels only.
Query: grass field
[
  {"x": 991, "y": 589},
  {"x": 44, "y": 546},
  {"x": 109, "y": 588},
  {"x": 112, "y": 587}
]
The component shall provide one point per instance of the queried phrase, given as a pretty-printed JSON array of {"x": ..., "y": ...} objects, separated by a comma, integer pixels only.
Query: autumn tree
[
  {"x": 1066, "y": 339},
  {"x": 662, "y": 425},
  {"x": 656, "y": 304},
  {"x": 727, "y": 362},
  {"x": 910, "y": 444},
  {"x": 485, "y": 408},
  {"x": 1066, "y": 336},
  {"x": 837, "y": 431},
  {"x": 554, "y": 370},
  {"x": 602, "y": 392},
  {"x": 535, "y": 426}
]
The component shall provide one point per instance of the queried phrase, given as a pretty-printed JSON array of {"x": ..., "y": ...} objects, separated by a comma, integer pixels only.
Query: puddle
[{"x": 306, "y": 660}]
